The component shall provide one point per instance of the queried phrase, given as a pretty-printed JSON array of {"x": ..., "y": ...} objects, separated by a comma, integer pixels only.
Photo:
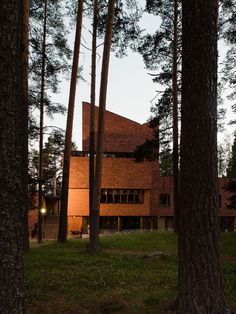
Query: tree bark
[
  {"x": 62, "y": 235},
  {"x": 175, "y": 120},
  {"x": 92, "y": 214},
  {"x": 200, "y": 278},
  {"x": 101, "y": 119},
  {"x": 24, "y": 128},
  {"x": 11, "y": 187},
  {"x": 41, "y": 122}
]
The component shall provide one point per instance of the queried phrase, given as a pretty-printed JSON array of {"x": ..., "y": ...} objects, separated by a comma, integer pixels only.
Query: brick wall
[
  {"x": 121, "y": 134},
  {"x": 122, "y": 173},
  {"x": 32, "y": 219},
  {"x": 117, "y": 173},
  {"x": 224, "y": 211}
]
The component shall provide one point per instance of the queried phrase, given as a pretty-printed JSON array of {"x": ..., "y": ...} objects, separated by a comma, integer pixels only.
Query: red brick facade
[
  {"x": 124, "y": 174},
  {"x": 121, "y": 134}
]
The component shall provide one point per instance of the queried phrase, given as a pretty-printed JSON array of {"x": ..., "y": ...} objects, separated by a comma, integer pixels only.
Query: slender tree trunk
[
  {"x": 62, "y": 235},
  {"x": 200, "y": 278},
  {"x": 11, "y": 142},
  {"x": 24, "y": 129},
  {"x": 175, "y": 120},
  {"x": 101, "y": 119},
  {"x": 92, "y": 235},
  {"x": 42, "y": 99}
]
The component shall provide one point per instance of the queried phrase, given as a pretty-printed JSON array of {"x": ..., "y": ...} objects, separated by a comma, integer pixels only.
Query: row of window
[
  {"x": 122, "y": 196},
  {"x": 132, "y": 196},
  {"x": 106, "y": 154},
  {"x": 165, "y": 200}
]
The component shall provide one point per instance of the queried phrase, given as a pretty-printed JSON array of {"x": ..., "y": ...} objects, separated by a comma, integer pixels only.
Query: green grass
[{"x": 120, "y": 279}]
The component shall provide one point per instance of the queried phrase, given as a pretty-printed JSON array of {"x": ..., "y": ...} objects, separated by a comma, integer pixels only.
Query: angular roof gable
[{"x": 121, "y": 134}]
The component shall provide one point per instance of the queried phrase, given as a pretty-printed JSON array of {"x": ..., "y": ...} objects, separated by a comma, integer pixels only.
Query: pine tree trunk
[
  {"x": 101, "y": 119},
  {"x": 92, "y": 235},
  {"x": 41, "y": 122},
  {"x": 175, "y": 120},
  {"x": 200, "y": 278},
  {"x": 11, "y": 187},
  {"x": 24, "y": 128},
  {"x": 62, "y": 235}
]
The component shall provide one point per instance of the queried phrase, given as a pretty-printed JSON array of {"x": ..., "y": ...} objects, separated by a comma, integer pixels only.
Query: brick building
[{"x": 134, "y": 195}]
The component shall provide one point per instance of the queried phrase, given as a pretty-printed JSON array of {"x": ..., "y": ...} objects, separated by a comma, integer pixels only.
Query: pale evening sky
[{"x": 130, "y": 88}]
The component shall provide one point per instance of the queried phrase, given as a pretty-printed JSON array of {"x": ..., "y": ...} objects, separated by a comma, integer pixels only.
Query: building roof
[{"x": 121, "y": 134}]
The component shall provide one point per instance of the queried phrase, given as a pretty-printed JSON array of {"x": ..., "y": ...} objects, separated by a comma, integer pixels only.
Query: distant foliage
[
  {"x": 228, "y": 33},
  {"x": 57, "y": 56},
  {"x": 231, "y": 173},
  {"x": 231, "y": 170},
  {"x": 157, "y": 52},
  {"x": 52, "y": 164}
]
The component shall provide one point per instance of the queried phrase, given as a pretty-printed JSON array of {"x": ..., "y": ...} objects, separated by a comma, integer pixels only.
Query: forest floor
[{"x": 134, "y": 273}]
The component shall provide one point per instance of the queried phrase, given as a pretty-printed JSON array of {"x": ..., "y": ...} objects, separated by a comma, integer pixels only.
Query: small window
[
  {"x": 116, "y": 196},
  {"x": 103, "y": 198},
  {"x": 109, "y": 196},
  {"x": 140, "y": 197},
  {"x": 123, "y": 196},
  {"x": 164, "y": 200},
  {"x": 131, "y": 197}
]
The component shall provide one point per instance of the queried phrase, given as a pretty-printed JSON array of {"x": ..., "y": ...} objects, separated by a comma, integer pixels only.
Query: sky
[{"x": 130, "y": 89}]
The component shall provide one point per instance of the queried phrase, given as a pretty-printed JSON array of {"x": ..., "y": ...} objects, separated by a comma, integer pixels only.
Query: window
[
  {"x": 116, "y": 194},
  {"x": 130, "y": 196},
  {"x": 122, "y": 196},
  {"x": 109, "y": 196},
  {"x": 164, "y": 200}
]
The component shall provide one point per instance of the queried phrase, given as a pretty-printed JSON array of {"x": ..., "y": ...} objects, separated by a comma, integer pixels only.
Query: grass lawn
[{"x": 121, "y": 279}]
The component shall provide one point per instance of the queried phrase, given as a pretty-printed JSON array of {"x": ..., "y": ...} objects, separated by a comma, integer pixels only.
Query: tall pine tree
[
  {"x": 13, "y": 159},
  {"x": 200, "y": 276}
]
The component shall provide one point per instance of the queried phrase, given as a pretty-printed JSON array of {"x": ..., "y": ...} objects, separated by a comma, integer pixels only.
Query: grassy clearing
[{"x": 120, "y": 279}]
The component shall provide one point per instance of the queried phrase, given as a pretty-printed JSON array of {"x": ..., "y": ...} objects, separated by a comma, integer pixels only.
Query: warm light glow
[{"x": 43, "y": 211}]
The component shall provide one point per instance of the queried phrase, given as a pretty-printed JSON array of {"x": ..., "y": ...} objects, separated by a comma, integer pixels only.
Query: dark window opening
[
  {"x": 131, "y": 222},
  {"x": 123, "y": 196},
  {"x": 109, "y": 196},
  {"x": 164, "y": 200},
  {"x": 108, "y": 222},
  {"x": 116, "y": 196}
]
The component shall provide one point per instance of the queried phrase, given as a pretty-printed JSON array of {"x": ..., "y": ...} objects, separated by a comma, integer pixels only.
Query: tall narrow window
[
  {"x": 123, "y": 196},
  {"x": 116, "y": 196},
  {"x": 103, "y": 196},
  {"x": 109, "y": 196}
]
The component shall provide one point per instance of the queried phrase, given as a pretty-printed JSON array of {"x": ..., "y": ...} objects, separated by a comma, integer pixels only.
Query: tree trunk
[
  {"x": 11, "y": 187},
  {"x": 175, "y": 120},
  {"x": 101, "y": 119},
  {"x": 92, "y": 235},
  {"x": 24, "y": 128},
  {"x": 42, "y": 98},
  {"x": 62, "y": 235},
  {"x": 200, "y": 279}
]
